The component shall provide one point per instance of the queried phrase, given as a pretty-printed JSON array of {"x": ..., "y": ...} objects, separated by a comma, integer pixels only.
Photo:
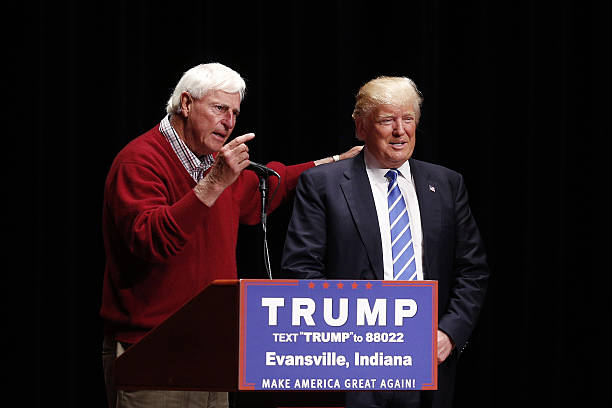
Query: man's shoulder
[
  {"x": 148, "y": 152},
  {"x": 333, "y": 169},
  {"x": 142, "y": 146}
]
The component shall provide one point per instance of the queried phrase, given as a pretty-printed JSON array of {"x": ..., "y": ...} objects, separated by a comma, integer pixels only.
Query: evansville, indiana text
[
  {"x": 331, "y": 358},
  {"x": 325, "y": 359}
]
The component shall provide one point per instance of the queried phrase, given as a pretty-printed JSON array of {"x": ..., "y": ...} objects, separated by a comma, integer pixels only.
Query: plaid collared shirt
[{"x": 195, "y": 166}]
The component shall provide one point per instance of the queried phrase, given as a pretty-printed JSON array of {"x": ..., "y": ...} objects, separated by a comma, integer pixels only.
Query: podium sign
[{"x": 338, "y": 335}]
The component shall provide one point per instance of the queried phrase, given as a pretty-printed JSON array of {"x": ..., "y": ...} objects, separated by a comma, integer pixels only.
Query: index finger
[{"x": 242, "y": 139}]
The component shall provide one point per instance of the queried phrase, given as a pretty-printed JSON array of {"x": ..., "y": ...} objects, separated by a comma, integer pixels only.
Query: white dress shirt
[{"x": 380, "y": 184}]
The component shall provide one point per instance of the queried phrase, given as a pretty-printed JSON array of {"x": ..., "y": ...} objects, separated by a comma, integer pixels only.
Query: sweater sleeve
[
  {"x": 279, "y": 189},
  {"x": 154, "y": 226}
]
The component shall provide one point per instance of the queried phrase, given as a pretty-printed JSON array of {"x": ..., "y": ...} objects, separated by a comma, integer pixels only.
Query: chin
[{"x": 395, "y": 162}]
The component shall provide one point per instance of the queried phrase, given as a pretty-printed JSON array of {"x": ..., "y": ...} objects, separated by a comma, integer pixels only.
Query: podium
[
  {"x": 195, "y": 349},
  {"x": 179, "y": 353},
  {"x": 219, "y": 341}
]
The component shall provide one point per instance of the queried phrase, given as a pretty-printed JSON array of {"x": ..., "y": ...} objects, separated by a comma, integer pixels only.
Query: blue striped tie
[{"x": 404, "y": 265}]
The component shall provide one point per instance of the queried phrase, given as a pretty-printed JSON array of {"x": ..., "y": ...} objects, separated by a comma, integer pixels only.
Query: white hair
[{"x": 204, "y": 78}]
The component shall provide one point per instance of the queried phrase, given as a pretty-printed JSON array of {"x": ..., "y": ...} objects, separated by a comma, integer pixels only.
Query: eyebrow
[
  {"x": 391, "y": 115},
  {"x": 226, "y": 106}
]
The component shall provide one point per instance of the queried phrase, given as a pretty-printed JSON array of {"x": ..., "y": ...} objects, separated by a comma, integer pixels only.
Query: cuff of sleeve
[{"x": 293, "y": 173}]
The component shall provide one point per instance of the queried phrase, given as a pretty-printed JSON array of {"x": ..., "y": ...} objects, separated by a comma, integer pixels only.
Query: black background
[{"x": 513, "y": 94}]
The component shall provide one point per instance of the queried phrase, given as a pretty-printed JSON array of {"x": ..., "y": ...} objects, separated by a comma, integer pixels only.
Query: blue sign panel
[{"x": 338, "y": 335}]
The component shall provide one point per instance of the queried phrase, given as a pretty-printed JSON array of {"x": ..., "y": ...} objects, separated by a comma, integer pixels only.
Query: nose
[
  {"x": 398, "y": 127},
  {"x": 229, "y": 120}
]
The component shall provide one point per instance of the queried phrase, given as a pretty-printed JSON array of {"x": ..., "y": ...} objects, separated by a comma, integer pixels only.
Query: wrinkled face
[
  {"x": 389, "y": 133},
  {"x": 209, "y": 121}
]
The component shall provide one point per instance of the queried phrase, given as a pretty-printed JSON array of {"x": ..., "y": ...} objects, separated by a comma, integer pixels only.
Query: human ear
[
  {"x": 359, "y": 128},
  {"x": 186, "y": 102}
]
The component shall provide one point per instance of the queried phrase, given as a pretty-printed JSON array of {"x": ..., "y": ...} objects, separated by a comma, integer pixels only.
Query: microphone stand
[{"x": 263, "y": 188}]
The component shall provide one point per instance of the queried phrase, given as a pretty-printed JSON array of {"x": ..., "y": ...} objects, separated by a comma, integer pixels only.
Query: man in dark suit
[{"x": 351, "y": 222}]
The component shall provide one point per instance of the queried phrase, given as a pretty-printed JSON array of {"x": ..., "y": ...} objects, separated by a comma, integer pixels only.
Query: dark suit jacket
[{"x": 334, "y": 234}]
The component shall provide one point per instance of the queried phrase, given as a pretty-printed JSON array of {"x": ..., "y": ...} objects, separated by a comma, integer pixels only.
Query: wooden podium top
[{"x": 194, "y": 349}]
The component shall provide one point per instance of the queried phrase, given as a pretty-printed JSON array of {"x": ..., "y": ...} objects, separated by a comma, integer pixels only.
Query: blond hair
[{"x": 385, "y": 90}]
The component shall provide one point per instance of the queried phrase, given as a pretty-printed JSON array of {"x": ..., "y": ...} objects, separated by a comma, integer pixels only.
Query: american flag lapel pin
[{"x": 432, "y": 188}]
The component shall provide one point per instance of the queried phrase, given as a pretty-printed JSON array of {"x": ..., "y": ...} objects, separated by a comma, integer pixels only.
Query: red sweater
[{"x": 163, "y": 245}]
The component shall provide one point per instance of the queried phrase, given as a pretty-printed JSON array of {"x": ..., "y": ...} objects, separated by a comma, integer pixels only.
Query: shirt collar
[
  {"x": 376, "y": 169},
  {"x": 195, "y": 166}
]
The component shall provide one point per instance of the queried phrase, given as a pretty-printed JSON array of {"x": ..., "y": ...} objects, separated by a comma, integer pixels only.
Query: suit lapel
[
  {"x": 358, "y": 195},
  {"x": 427, "y": 191}
]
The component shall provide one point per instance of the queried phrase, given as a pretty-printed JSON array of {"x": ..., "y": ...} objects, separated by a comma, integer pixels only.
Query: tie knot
[{"x": 391, "y": 175}]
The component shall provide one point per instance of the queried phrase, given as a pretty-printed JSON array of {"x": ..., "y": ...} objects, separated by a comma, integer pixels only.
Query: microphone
[{"x": 262, "y": 170}]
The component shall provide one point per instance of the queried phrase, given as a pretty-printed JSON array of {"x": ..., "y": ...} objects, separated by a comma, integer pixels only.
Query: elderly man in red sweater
[{"x": 173, "y": 200}]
